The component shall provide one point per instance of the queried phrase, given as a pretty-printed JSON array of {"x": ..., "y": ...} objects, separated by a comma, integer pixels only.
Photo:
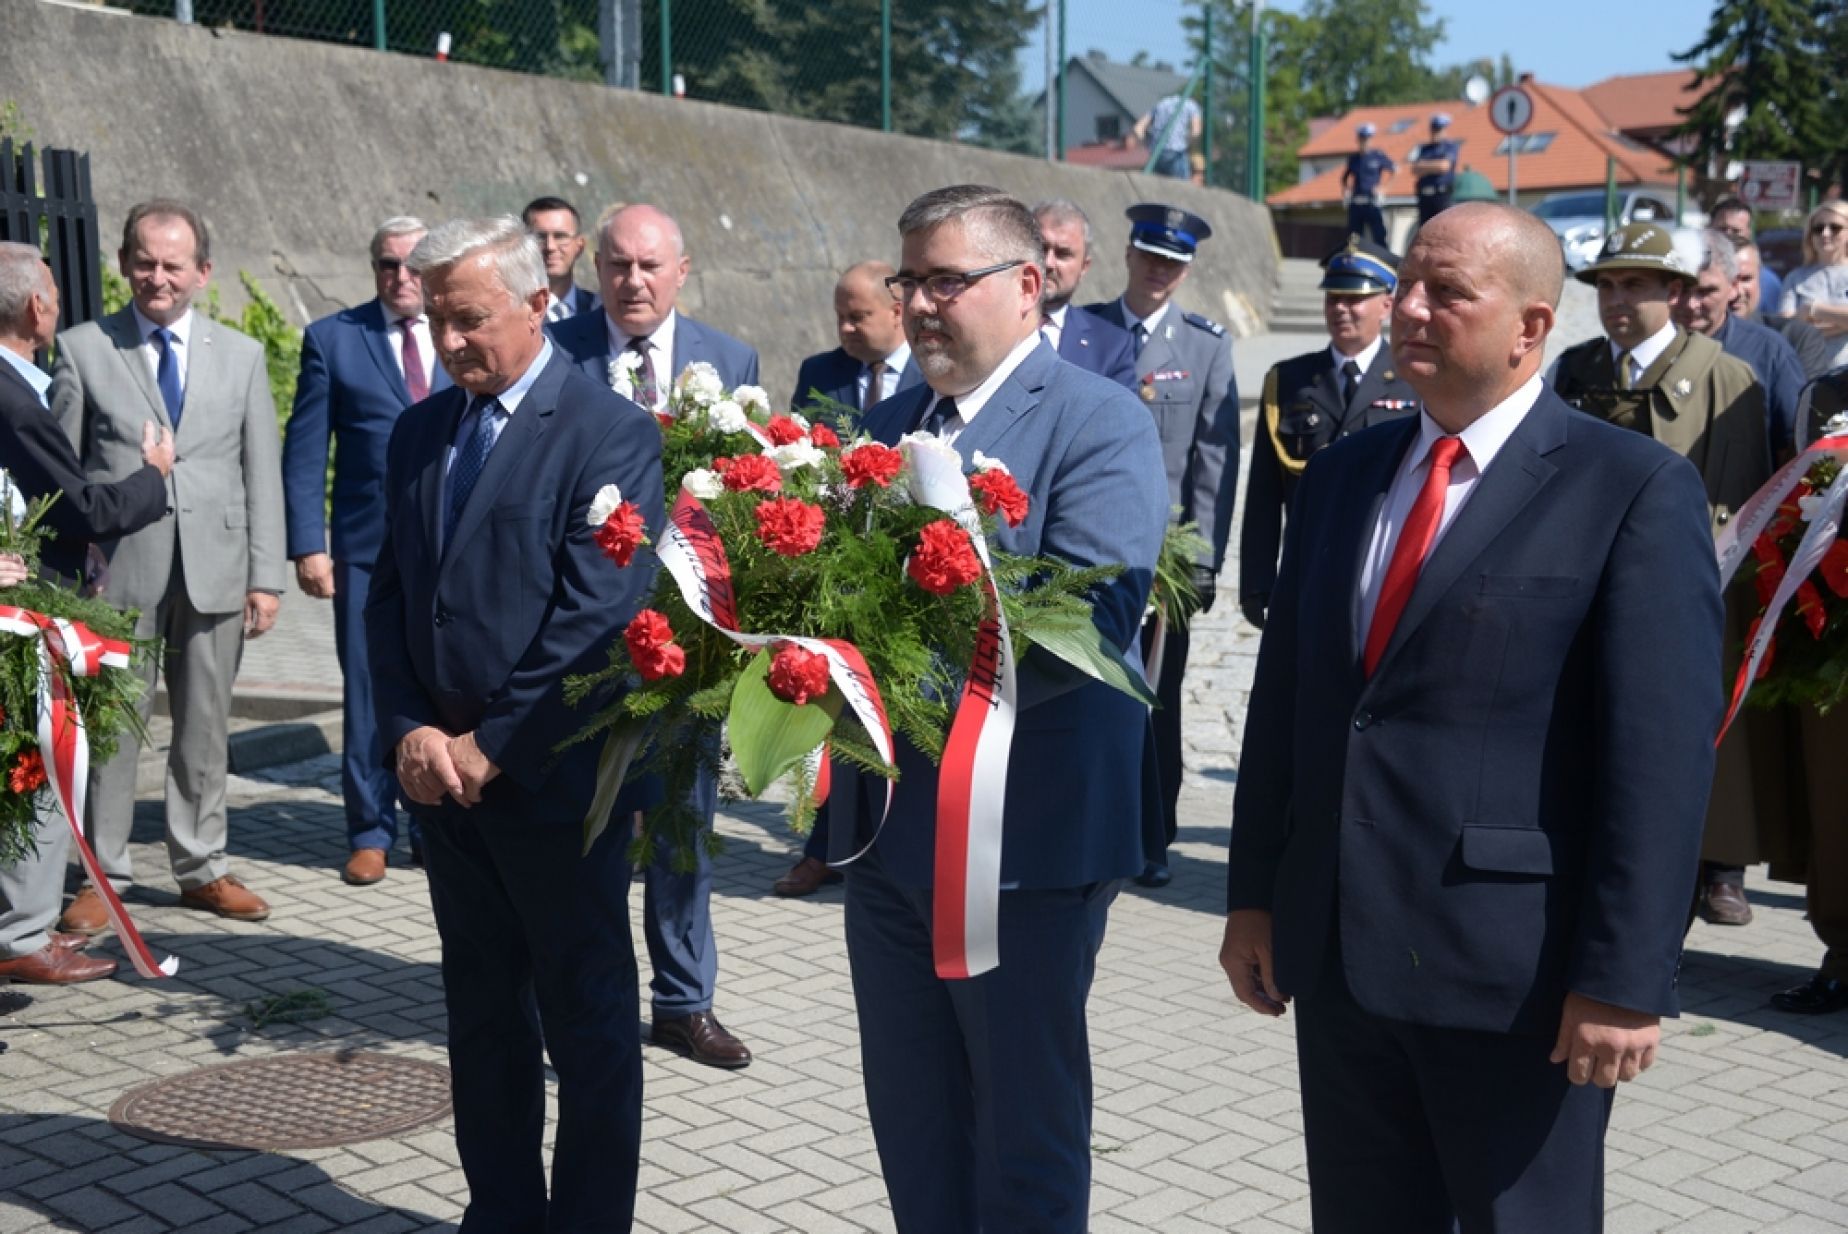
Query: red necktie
[
  {"x": 1408, "y": 555},
  {"x": 415, "y": 383}
]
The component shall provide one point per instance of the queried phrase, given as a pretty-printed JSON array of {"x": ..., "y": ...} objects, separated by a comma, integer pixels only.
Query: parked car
[
  {"x": 1578, "y": 219},
  {"x": 1781, "y": 248}
]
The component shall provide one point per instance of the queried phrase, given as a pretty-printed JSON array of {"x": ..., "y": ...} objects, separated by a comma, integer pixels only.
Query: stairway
[{"x": 1297, "y": 306}]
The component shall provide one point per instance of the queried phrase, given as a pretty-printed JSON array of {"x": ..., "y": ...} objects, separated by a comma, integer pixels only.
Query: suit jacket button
[
  {"x": 442, "y": 617},
  {"x": 1723, "y": 517},
  {"x": 1362, "y": 720}
]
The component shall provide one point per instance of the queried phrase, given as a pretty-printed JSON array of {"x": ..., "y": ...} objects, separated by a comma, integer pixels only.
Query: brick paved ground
[{"x": 1743, "y": 1125}]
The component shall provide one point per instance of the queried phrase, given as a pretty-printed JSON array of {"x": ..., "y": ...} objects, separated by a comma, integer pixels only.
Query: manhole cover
[{"x": 289, "y": 1101}]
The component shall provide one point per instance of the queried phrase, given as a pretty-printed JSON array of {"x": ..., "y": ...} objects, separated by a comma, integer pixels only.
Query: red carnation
[
  {"x": 1000, "y": 495},
  {"x": 621, "y": 533},
  {"x": 871, "y": 463},
  {"x": 823, "y": 436},
  {"x": 1809, "y": 607},
  {"x": 652, "y": 648},
  {"x": 1833, "y": 568},
  {"x": 27, "y": 774},
  {"x": 790, "y": 527},
  {"x": 749, "y": 473},
  {"x": 665, "y": 420},
  {"x": 943, "y": 559},
  {"x": 796, "y": 675},
  {"x": 782, "y": 431}
]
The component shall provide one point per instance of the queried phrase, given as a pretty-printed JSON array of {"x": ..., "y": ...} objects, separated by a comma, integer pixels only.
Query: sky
[{"x": 1577, "y": 42}]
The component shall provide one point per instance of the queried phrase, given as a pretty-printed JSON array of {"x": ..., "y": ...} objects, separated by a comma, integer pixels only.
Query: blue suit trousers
[
  {"x": 677, "y": 923},
  {"x": 367, "y": 783},
  {"x": 979, "y": 1090}
]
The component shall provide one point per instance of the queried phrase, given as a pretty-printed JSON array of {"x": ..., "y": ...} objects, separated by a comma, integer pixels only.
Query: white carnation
[
  {"x": 752, "y": 398},
  {"x": 1810, "y": 505},
  {"x": 622, "y": 374},
  {"x": 703, "y": 483},
  {"x": 796, "y": 454},
  {"x": 700, "y": 382},
  {"x": 984, "y": 463},
  {"x": 728, "y": 417},
  {"x": 604, "y": 504}
]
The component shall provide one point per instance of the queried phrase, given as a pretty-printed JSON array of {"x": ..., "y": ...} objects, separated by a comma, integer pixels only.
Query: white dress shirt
[
  {"x": 1148, "y": 324},
  {"x": 1482, "y": 441},
  {"x": 1644, "y": 353},
  {"x": 967, "y": 405},
  {"x": 888, "y": 377},
  {"x": 181, "y": 344},
  {"x": 1054, "y": 325},
  {"x": 1364, "y": 359},
  {"x": 426, "y": 351},
  {"x": 660, "y": 348}
]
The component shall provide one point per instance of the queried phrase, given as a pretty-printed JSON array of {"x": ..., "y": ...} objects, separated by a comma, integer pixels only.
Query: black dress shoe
[
  {"x": 1819, "y": 995},
  {"x": 1154, "y": 874},
  {"x": 702, "y": 1038}
]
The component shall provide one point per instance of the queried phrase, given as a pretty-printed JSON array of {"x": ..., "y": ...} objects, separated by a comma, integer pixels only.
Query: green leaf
[
  {"x": 619, "y": 751},
  {"x": 1083, "y": 646},
  {"x": 768, "y": 735}
]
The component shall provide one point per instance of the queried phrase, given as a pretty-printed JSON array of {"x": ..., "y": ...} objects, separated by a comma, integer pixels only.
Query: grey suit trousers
[
  {"x": 31, "y": 891},
  {"x": 201, "y": 659}
]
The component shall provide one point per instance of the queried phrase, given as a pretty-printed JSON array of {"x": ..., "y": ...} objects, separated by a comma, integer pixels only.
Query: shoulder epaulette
[{"x": 1205, "y": 323}]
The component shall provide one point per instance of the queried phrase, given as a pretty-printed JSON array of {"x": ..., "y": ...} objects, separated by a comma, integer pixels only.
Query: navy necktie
[
  {"x": 1350, "y": 382},
  {"x": 469, "y": 462},
  {"x": 939, "y": 416},
  {"x": 167, "y": 374},
  {"x": 1141, "y": 333}
]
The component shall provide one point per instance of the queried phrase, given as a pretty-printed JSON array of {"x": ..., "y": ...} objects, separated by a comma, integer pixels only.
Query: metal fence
[{"x": 55, "y": 213}]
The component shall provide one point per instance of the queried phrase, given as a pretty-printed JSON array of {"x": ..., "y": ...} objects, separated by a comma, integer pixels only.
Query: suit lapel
[
  {"x": 1019, "y": 394},
  {"x": 1672, "y": 418},
  {"x": 1158, "y": 352},
  {"x": 522, "y": 433},
  {"x": 430, "y": 481},
  {"x": 203, "y": 378},
  {"x": 1517, "y": 473},
  {"x": 127, "y": 337},
  {"x": 689, "y": 347},
  {"x": 378, "y": 343}
]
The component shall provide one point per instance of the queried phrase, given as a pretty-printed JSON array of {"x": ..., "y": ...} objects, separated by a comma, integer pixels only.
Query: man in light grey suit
[{"x": 205, "y": 577}]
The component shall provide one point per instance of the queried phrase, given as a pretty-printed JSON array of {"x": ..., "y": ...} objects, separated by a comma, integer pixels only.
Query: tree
[
  {"x": 1769, "y": 64},
  {"x": 1369, "y": 52}
]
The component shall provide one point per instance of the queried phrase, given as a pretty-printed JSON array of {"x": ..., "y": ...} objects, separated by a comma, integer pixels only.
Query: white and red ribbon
[
  {"x": 694, "y": 554},
  {"x": 972, "y": 783},
  {"x": 1736, "y": 539},
  {"x": 66, "y": 750}
]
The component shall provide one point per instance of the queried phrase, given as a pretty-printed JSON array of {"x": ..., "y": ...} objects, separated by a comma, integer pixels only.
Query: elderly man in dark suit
[
  {"x": 361, "y": 367},
  {"x": 203, "y": 581},
  {"x": 1441, "y": 849},
  {"x": 38, "y": 462},
  {"x": 488, "y": 593},
  {"x": 979, "y": 1087},
  {"x": 642, "y": 263}
]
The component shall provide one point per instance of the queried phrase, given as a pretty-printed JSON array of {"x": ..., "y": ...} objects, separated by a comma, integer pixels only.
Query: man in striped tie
[{"x": 1444, "y": 847}]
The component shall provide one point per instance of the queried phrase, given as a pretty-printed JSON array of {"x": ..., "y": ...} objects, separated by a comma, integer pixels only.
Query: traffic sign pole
[{"x": 1511, "y": 110}]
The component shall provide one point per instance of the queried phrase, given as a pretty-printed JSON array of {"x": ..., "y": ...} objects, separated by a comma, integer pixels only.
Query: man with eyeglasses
[
  {"x": 554, "y": 223},
  {"x": 361, "y": 367},
  {"x": 1185, "y": 379},
  {"x": 979, "y": 1087}
]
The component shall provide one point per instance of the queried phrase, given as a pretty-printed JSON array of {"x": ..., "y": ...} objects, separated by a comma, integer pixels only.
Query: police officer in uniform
[
  {"x": 1683, "y": 389},
  {"x": 1435, "y": 165},
  {"x": 1310, "y": 400},
  {"x": 1361, "y": 181},
  {"x": 1184, "y": 375}
]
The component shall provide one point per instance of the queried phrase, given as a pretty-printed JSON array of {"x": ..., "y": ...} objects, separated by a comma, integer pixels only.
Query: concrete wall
[{"x": 294, "y": 151}]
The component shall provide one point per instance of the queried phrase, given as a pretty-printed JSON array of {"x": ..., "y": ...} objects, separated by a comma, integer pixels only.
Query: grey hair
[
  {"x": 518, "y": 263},
  {"x": 22, "y": 276},
  {"x": 1717, "y": 249},
  {"x": 397, "y": 225},
  {"x": 1064, "y": 210},
  {"x": 1000, "y": 227}
]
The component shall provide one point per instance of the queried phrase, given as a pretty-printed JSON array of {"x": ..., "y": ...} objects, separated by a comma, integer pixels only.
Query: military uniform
[
  {"x": 1365, "y": 168},
  {"x": 1303, "y": 409},
  {"x": 1434, "y": 191},
  {"x": 1709, "y": 408},
  {"x": 1184, "y": 376}
]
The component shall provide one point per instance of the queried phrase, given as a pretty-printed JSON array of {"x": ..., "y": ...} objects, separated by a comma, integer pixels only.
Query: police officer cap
[
  {"x": 1360, "y": 268},
  {"x": 1441, "y": 120},
  {"x": 1166, "y": 231},
  {"x": 1638, "y": 246},
  {"x": 1366, "y": 130}
]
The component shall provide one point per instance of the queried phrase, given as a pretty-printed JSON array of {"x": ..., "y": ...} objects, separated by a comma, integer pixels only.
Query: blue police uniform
[
  {"x": 1365, "y": 169},
  {"x": 1434, "y": 191}
]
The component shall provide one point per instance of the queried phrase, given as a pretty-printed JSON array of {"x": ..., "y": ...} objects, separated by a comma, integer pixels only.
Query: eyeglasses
[
  {"x": 943, "y": 286},
  {"x": 390, "y": 265},
  {"x": 1827, "y": 229}
]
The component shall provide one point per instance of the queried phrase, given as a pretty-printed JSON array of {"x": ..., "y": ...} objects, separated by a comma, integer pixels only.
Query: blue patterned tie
[
  {"x": 468, "y": 464},
  {"x": 167, "y": 374},
  {"x": 940, "y": 417}
]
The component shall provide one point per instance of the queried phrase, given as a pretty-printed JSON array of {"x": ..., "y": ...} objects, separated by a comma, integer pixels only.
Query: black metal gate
[{"x": 58, "y": 218}]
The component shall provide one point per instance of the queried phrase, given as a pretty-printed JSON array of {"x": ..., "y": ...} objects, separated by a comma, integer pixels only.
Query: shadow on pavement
[
  {"x": 1737, "y": 989},
  {"x": 83, "y": 1174}
]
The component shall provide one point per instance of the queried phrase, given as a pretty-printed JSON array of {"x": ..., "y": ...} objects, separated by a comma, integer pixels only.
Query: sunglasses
[
  {"x": 388, "y": 265},
  {"x": 1827, "y": 229}
]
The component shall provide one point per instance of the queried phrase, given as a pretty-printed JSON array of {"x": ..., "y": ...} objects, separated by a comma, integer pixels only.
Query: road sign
[
  {"x": 1772, "y": 185},
  {"x": 1511, "y": 109}
]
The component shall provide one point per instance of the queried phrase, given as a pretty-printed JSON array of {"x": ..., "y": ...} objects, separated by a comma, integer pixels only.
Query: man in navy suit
[
  {"x": 554, "y": 223},
  {"x": 979, "y": 1089},
  {"x": 1078, "y": 335},
  {"x": 642, "y": 264},
  {"x": 361, "y": 367},
  {"x": 1443, "y": 845},
  {"x": 488, "y": 594},
  {"x": 873, "y": 361}
]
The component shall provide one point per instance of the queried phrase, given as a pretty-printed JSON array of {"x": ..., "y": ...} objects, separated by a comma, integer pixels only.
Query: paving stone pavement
[{"x": 1741, "y": 1127}]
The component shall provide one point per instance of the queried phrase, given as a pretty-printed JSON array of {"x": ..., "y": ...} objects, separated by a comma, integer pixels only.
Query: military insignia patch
[
  {"x": 1683, "y": 388},
  {"x": 1176, "y": 218},
  {"x": 1148, "y": 392},
  {"x": 1615, "y": 243}
]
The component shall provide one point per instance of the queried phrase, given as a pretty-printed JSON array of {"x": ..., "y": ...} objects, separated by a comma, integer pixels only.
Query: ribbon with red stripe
[
  {"x": 66, "y": 750},
  {"x": 972, "y": 782},
  {"x": 693, "y": 552}
]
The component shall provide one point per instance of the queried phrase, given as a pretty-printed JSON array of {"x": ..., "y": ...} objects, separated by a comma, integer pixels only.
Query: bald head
[
  {"x": 641, "y": 267},
  {"x": 867, "y": 316},
  {"x": 1474, "y": 305}
]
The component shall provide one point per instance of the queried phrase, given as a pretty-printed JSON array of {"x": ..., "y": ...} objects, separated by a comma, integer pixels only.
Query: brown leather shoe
[
  {"x": 365, "y": 867},
  {"x": 55, "y": 965},
  {"x": 702, "y": 1038},
  {"x": 87, "y": 914},
  {"x": 70, "y": 942},
  {"x": 1725, "y": 904},
  {"x": 805, "y": 878},
  {"x": 228, "y": 898}
]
